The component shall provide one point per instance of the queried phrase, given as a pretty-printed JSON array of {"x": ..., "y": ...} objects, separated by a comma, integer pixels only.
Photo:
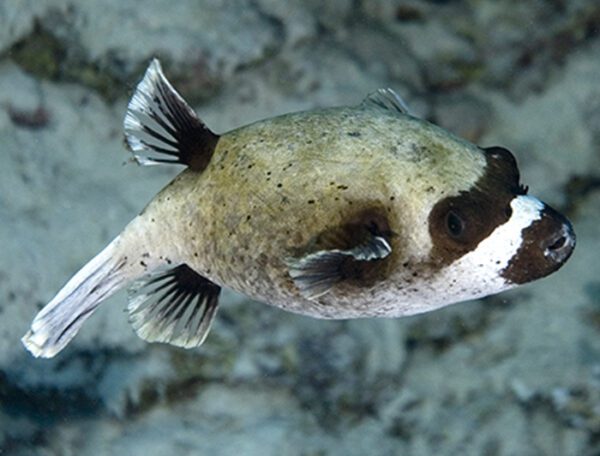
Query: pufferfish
[{"x": 339, "y": 213}]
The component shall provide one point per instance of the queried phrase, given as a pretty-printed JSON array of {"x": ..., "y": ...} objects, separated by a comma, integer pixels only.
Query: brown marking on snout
[{"x": 547, "y": 244}]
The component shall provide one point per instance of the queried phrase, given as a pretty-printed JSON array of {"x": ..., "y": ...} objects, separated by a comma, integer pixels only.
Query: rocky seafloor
[{"x": 515, "y": 374}]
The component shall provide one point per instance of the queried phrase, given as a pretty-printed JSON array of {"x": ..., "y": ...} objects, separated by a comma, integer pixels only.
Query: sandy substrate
[{"x": 513, "y": 374}]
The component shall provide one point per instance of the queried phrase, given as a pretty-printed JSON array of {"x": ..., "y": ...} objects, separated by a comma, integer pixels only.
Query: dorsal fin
[
  {"x": 159, "y": 120},
  {"x": 388, "y": 100}
]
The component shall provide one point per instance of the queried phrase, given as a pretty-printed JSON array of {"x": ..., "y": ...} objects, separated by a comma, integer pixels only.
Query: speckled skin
[{"x": 272, "y": 187}]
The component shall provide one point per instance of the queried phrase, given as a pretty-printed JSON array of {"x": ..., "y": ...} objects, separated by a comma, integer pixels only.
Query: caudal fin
[{"x": 58, "y": 322}]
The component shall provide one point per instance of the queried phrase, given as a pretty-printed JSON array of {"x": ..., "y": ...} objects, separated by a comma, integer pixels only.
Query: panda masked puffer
[{"x": 347, "y": 212}]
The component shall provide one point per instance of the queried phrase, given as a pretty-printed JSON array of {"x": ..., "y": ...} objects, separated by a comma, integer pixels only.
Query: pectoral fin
[
  {"x": 314, "y": 274},
  {"x": 175, "y": 307}
]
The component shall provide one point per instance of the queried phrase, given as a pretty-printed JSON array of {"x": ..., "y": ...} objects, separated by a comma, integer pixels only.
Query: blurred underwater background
[{"x": 514, "y": 374}]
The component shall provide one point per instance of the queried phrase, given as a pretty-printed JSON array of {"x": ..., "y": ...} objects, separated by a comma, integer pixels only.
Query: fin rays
[
  {"x": 387, "y": 100},
  {"x": 159, "y": 120},
  {"x": 176, "y": 307},
  {"x": 315, "y": 273},
  {"x": 59, "y": 321}
]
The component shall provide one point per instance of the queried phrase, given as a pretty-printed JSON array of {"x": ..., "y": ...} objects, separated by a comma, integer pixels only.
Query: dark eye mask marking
[{"x": 479, "y": 210}]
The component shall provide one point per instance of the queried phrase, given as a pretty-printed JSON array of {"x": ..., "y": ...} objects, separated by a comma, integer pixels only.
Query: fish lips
[{"x": 546, "y": 245}]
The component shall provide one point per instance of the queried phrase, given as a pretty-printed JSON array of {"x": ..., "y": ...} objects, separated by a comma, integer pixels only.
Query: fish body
[
  {"x": 273, "y": 187},
  {"x": 334, "y": 213}
]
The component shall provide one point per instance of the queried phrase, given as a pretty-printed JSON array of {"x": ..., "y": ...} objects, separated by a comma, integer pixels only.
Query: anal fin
[{"x": 175, "y": 307}]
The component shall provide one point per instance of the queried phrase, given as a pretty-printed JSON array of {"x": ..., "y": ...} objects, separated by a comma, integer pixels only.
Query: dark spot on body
[
  {"x": 145, "y": 255},
  {"x": 248, "y": 217},
  {"x": 143, "y": 264},
  {"x": 354, "y": 134},
  {"x": 342, "y": 187},
  {"x": 279, "y": 185},
  {"x": 311, "y": 201},
  {"x": 392, "y": 198}
]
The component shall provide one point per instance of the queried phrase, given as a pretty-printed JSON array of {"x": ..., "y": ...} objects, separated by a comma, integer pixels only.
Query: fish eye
[{"x": 454, "y": 224}]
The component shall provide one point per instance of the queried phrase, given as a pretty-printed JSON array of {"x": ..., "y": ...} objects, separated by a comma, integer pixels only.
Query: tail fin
[{"x": 58, "y": 322}]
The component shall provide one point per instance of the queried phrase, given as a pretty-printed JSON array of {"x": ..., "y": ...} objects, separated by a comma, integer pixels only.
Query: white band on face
[{"x": 479, "y": 272}]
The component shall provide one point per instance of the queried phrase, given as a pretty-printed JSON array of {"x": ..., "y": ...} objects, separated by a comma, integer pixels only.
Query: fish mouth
[{"x": 546, "y": 244}]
